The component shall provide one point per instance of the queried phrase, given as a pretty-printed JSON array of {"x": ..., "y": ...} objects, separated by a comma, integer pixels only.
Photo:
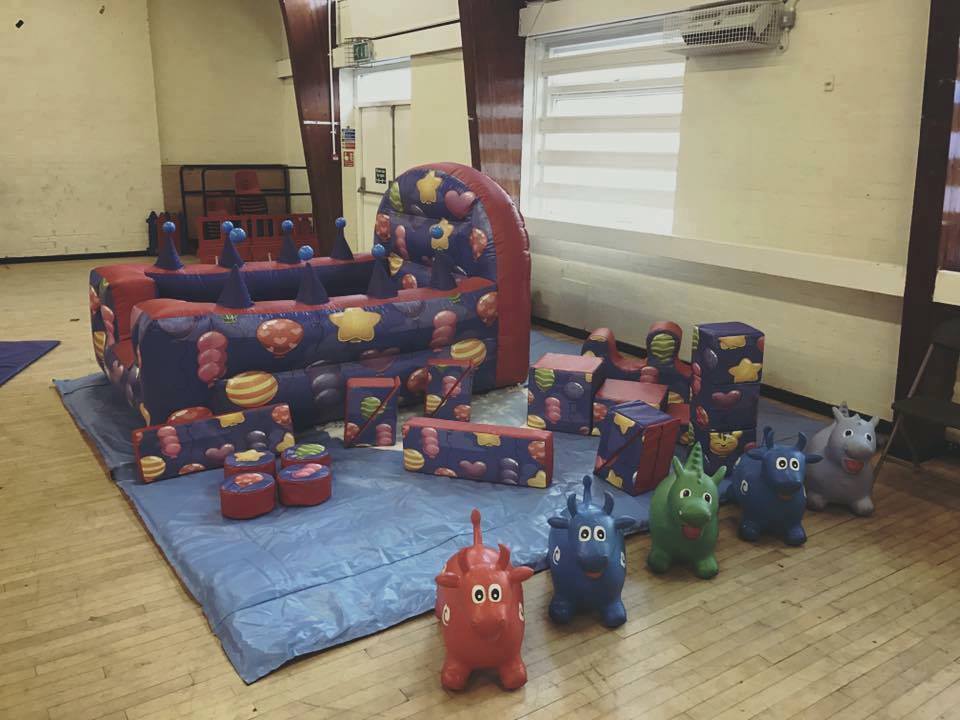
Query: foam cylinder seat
[
  {"x": 250, "y": 461},
  {"x": 248, "y": 495},
  {"x": 305, "y": 454},
  {"x": 309, "y": 484}
]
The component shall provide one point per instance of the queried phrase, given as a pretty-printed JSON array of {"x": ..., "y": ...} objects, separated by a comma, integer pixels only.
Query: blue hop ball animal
[
  {"x": 767, "y": 484},
  {"x": 588, "y": 561},
  {"x": 226, "y": 226},
  {"x": 238, "y": 235},
  {"x": 286, "y": 227},
  {"x": 379, "y": 251},
  {"x": 305, "y": 252},
  {"x": 169, "y": 228}
]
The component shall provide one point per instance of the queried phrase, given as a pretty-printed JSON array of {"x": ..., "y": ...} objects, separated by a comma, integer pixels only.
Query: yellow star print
[
  {"x": 488, "y": 439},
  {"x": 733, "y": 342},
  {"x": 427, "y": 187},
  {"x": 442, "y": 242},
  {"x": 623, "y": 422},
  {"x": 746, "y": 371},
  {"x": 248, "y": 455},
  {"x": 355, "y": 324}
]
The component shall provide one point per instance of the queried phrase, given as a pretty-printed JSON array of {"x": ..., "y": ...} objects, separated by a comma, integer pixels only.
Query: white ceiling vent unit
[{"x": 728, "y": 27}]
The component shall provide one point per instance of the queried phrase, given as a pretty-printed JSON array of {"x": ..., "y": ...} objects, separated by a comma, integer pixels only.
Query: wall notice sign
[
  {"x": 348, "y": 138},
  {"x": 380, "y": 176},
  {"x": 347, "y": 158}
]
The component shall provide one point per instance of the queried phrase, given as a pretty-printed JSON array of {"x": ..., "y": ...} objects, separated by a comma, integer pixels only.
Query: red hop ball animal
[
  {"x": 461, "y": 413},
  {"x": 480, "y": 607},
  {"x": 408, "y": 282}
]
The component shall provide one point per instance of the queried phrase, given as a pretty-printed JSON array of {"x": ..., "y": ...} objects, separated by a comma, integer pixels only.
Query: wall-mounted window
[
  {"x": 383, "y": 83},
  {"x": 602, "y": 127}
]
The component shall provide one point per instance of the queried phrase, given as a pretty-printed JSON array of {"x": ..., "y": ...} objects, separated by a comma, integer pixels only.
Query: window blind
[{"x": 604, "y": 109}]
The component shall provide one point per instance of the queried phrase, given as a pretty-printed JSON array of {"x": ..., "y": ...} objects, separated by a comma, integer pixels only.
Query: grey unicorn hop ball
[{"x": 845, "y": 477}]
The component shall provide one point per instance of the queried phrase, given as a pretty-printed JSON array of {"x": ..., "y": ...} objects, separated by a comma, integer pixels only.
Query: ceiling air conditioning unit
[{"x": 728, "y": 28}]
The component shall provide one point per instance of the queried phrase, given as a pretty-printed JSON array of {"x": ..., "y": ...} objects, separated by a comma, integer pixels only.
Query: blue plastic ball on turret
[
  {"x": 305, "y": 252},
  {"x": 286, "y": 226},
  {"x": 341, "y": 223},
  {"x": 226, "y": 226},
  {"x": 436, "y": 232},
  {"x": 169, "y": 228},
  {"x": 379, "y": 251},
  {"x": 238, "y": 235}
]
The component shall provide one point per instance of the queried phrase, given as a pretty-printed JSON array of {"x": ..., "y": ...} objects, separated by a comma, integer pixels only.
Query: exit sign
[{"x": 362, "y": 51}]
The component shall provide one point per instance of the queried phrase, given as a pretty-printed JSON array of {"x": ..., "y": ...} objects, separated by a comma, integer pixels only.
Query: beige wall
[
  {"x": 218, "y": 96},
  {"x": 768, "y": 158},
  {"x": 438, "y": 122},
  {"x": 78, "y": 145}
]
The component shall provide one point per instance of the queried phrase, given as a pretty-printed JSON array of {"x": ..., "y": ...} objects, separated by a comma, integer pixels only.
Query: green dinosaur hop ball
[{"x": 683, "y": 518}]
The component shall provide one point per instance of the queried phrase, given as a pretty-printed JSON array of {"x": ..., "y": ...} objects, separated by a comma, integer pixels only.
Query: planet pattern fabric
[
  {"x": 165, "y": 343},
  {"x": 196, "y": 441},
  {"x": 489, "y": 453}
]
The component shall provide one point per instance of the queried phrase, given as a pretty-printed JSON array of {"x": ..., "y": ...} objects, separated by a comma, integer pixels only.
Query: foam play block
[
  {"x": 727, "y": 353},
  {"x": 724, "y": 447},
  {"x": 189, "y": 446},
  {"x": 681, "y": 412},
  {"x": 490, "y": 453},
  {"x": 560, "y": 392},
  {"x": 636, "y": 446},
  {"x": 309, "y": 484},
  {"x": 370, "y": 417},
  {"x": 618, "y": 392},
  {"x": 727, "y": 407},
  {"x": 449, "y": 389},
  {"x": 305, "y": 454},
  {"x": 247, "y": 461},
  {"x": 247, "y": 495}
]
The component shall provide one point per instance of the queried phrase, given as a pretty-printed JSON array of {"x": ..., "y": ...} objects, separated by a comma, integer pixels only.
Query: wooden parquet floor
[{"x": 862, "y": 622}]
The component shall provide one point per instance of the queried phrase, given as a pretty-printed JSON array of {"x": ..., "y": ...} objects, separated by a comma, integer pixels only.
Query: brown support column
[
  {"x": 306, "y": 23},
  {"x": 920, "y": 313},
  {"x": 493, "y": 68}
]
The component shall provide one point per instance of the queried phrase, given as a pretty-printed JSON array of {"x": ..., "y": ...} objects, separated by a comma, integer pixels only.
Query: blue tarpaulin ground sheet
[{"x": 303, "y": 579}]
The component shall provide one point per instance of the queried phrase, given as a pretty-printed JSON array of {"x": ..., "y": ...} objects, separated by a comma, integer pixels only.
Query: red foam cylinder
[
  {"x": 245, "y": 462},
  {"x": 248, "y": 495},
  {"x": 309, "y": 484}
]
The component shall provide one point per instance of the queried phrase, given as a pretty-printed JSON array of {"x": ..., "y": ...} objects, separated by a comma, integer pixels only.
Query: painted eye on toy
[
  {"x": 623, "y": 559},
  {"x": 556, "y": 555},
  {"x": 848, "y": 433},
  {"x": 685, "y": 493},
  {"x": 868, "y": 437},
  {"x": 707, "y": 498},
  {"x": 584, "y": 533},
  {"x": 445, "y": 616},
  {"x": 478, "y": 594},
  {"x": 520, "y": 611},
  {"x": 599, "y": 533},
  {"x": 794, "y": 464},
  {"x": 495, "y": 593},
  {"x": 744, "y": 486},
  {"x": 781, "y": 463}
]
